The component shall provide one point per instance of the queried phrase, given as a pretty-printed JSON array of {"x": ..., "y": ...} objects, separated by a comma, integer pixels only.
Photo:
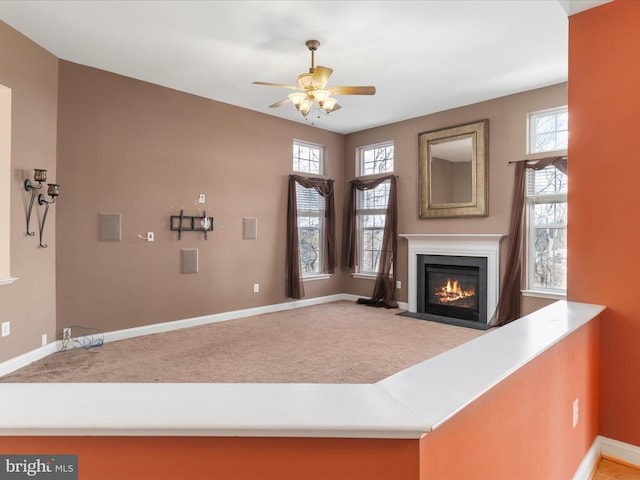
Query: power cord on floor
[{"x": 77, "y": 336}]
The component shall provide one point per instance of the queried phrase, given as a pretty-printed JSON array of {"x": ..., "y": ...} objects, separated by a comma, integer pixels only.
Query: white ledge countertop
[{"x": 408, "y": 404}]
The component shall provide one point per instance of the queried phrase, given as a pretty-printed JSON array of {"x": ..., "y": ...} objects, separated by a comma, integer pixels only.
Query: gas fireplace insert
[{"x": 452, "y": 287}]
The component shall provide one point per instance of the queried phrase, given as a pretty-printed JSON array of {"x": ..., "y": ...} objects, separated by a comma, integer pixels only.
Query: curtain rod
[{"x": 534, "y": 159}]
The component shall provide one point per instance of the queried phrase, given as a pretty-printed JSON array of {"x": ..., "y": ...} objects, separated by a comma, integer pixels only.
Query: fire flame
[{"x": 452, "y": 291}]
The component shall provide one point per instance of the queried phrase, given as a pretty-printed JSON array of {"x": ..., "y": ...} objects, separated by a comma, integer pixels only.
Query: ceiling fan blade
[
  {"x": 336, "y": 107},
  {"x": 320, "y": 76},
  {"x": 352, "y": 90},
  {"x": 279, "y": 104},
  {"x": 279, "y": 85}
]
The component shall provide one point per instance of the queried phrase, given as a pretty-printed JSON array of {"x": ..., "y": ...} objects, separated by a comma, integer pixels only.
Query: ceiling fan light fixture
[
  {"x": 297, "y": 98},
  {"x": 305, "y": 107},
  {"x": 328, "y": 104},
  {"x": 321, "y": 96}
]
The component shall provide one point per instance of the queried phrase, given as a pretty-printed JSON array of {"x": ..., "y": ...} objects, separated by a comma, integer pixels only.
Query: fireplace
[
  {"x": 465, "y": 255},
  {"x": 452, "y": 287}
]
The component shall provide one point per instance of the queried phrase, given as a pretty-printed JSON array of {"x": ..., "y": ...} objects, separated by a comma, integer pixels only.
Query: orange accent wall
[
  {"x": 523, "y": 427},
  {"x": 199, "y": 458},
  {"x": 604, "y": 197}
]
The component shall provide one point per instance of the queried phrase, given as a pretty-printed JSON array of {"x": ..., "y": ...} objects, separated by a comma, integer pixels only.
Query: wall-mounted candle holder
[
  {"x": 39, "y": 175},
  {"x": 53, "y": 191}
]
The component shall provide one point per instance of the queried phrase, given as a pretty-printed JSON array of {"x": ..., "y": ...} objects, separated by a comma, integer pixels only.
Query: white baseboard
[
  {"x": 219, "y": 317},
  {"x": 622, "y": 451},
  {"x": 611, "y": 448},
  {"x": 589, "y": 462},
  {"x": 23, "y": 360},
  {"x": 26, "y": 358}
]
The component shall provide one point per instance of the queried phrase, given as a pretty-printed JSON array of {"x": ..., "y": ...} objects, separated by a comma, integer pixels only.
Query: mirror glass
[{"x": 453, "y": 171}]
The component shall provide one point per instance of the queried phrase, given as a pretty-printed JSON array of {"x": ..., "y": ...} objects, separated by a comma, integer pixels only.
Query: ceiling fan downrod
[{"x": 313, "y": 46}]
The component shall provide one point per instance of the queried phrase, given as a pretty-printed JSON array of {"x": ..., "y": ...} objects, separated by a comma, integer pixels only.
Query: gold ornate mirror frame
[{"x": 453, "y": 171}]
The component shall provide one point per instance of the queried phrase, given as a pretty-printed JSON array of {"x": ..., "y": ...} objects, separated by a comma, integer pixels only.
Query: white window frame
[
  {"x": 360, "y": 154},
  {"x": 531, "y": 200},
  {"x": 321, "y": 160},
  {"x": 532, "y": 134}
]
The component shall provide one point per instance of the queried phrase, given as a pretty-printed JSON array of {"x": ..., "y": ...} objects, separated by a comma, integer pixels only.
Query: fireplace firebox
[{"x": 452, "y": 287}]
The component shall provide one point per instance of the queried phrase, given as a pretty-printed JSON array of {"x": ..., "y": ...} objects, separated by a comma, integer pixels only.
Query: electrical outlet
[
  {"x": 201, "y": 198},
  {"x": 44, "y": 339},
  {"x": 6, "y": 328},
  {"x": 575, "y": 413},
  {"x": 398, "y": 284},
  {"x": 150, "y": 237},
  {"x": 66, "y": 332},
  {"x": 256, "y": 287}
]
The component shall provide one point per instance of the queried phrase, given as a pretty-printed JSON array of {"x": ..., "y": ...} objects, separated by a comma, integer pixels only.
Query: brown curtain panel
[
  {"x": 295, "y": 288},
  {"x": 384, "y": 290},
  {"x": 508, "y": 308}
]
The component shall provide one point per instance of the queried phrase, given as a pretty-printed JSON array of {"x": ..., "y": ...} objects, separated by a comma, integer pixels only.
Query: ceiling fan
[{"x": 312, "y": 88}]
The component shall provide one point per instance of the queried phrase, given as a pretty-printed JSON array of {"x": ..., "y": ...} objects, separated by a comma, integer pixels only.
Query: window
[
  {"x": 376, "y": 159},
  {"x": 308, "y": 158},
  {"x": 549, "y": 130},
  {"x": 311, "y": 212},
  {"x": 547, "y": 217},
  {"x": 372, "y": 205},
  {"x": 547, "y": 204}
]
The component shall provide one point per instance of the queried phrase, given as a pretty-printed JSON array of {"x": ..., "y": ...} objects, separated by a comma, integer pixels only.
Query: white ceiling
[{"x": 422, "y": 56}]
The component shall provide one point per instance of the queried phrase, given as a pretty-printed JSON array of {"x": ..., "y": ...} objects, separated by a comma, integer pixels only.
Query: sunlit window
[
  {"x": 548, "y": 132},
  {"x": 547, "y": 242},
  {"x": 375, "y": 159},
  {"x": 308, "y": 158},
  {"x": 372, "y": 205},
  {"x": 311, "y": 212}
]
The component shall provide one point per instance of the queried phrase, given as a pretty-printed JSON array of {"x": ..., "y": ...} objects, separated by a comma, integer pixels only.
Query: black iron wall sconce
[
  {"x": 53, "y": 191},
  {"x": 39, "y": 176}
]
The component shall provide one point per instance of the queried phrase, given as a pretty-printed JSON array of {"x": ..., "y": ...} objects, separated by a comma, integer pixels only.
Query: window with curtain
[
  {"x": 372, "y": 205},
  {"x": 546, "y": 204},
  {"x": 311, "y": 231},
  {"x": 380, "y": 245},
  {"x": 540, "y": 196}
]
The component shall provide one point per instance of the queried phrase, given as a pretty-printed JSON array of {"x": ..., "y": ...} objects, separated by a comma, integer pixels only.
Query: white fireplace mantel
[{"x": 470, "y": 245}]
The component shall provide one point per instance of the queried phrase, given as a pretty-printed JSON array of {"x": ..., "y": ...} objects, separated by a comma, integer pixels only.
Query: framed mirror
[{"x": 453, "y": 171}]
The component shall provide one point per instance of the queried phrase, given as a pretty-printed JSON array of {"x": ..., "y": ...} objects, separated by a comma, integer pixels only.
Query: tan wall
[
  {"x": 507, "y": 141},
  {"x": 146, "y": 152},
  {"x": 29, "y": 304}
]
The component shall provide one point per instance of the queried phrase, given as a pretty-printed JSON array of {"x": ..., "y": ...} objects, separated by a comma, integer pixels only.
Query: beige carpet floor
[{"x": 340, "y": 342}]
